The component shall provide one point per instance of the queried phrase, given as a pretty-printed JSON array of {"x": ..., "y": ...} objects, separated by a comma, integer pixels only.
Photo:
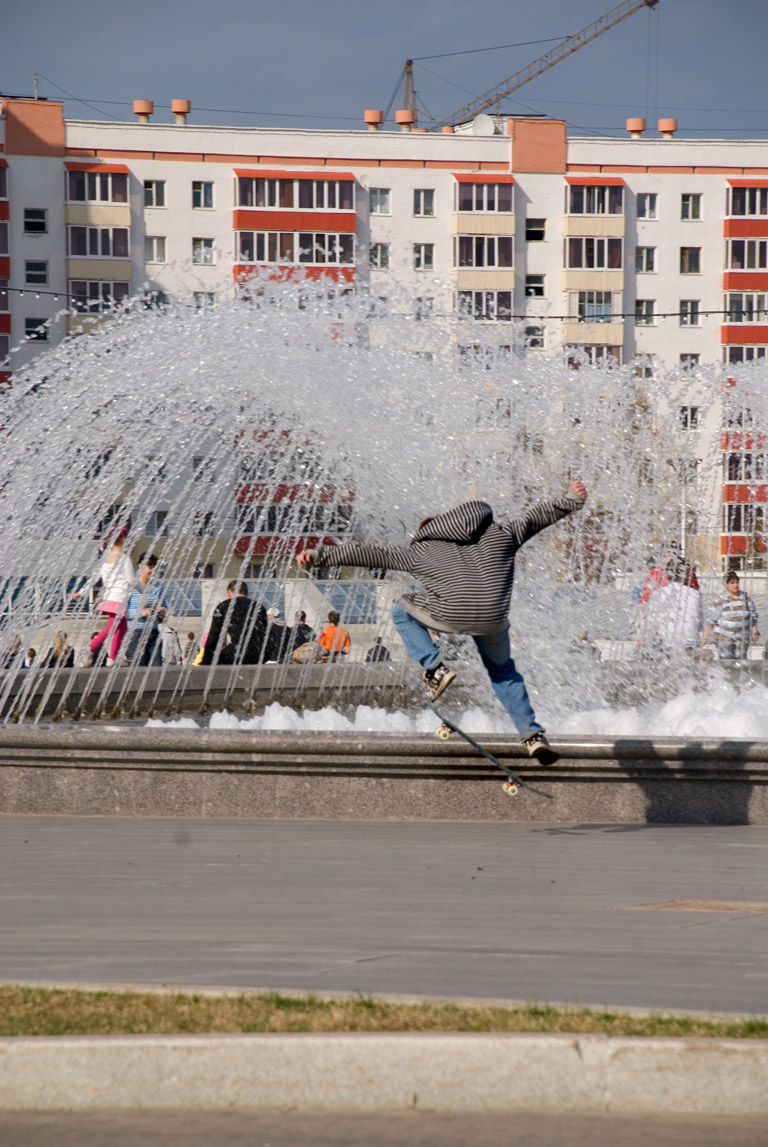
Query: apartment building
[{"x": 650, "y": 248}]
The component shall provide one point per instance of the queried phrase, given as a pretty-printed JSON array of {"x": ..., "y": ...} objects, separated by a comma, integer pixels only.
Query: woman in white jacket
[{"x": 118, "y": 578}]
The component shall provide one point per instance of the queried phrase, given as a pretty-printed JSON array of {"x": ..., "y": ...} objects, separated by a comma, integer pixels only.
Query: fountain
[{"x": 223, "y": 439}]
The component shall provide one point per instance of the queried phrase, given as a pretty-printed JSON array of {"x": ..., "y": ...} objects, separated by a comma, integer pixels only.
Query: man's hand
[
  {"x": 579, "y": 489},
  {"x": 307, "y": 559}
]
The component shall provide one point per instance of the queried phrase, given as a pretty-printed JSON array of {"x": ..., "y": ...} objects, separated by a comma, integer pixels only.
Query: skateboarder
[{"x": 466, "y": 562}]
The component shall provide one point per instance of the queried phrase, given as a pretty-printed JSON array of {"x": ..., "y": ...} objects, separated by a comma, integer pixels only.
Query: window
[
  {"x": 594, "y": 306},
  {"x": 325, "y": 194},
  {"x": 747, "y": 201},
  {"x": 690, "y": 207},
  {"x": 424, "y": 306},
  {"x": 535, "y": 230},
  {"x": 203, "y": 299},
  {"x": 35, "y": 221},
  {"x": 379, "y": 200},
  {"x": 266, "y": 246},
  {"x": 689, "y": 418},
  {"x": 737, "y": 354},
  {"x": 36, "y": 329},
  {"x": 645, "y": 259},
  {"x": 3, "y": 183},
  {"x": 644, "y": 316},
  {"x": 97, "y": 187},
  {"x": 3, "y": 237},
  {"x": 35, "y": 273},
  {"x": 423, "y": 256},
  {"x": 154, "y": 249},
  {"x": 689, "y": 312},
  {"x": 423, "y": 201},
  {"x": 94, "y": 297},
  {"x": 746, "y": 308},
  {"x": 3, "y": 295},
  {"x": 379, "y": 256},
  {"x": 595, "y": 200},
  {"x": 605, "y": 355},
  {"x": 202, "y": 251},
  {"x": 746, "y": 254},
  {"x": 289, "y": 194},
  {"x": 484, "y": 197},
  {"x": 485, "y": 306},
  {"x": 534, "y": 338},
  {"x": 322, "y": 247},
  {"x": 690, "y": 260},
  {"x": 204, "y": 570},
  {"x": 483, "y": 251},
  {"x": 688, "y": 361},
  {"x": 534, "y": 286},
  {"x": 203, "y": 524},
  {"x": 5, "y": 346},
  {"x": 99, "y": 242},
  {"x": 646, "y": 205},
  {"x": 154, "y": 193},
  {"x": 739, "y": 467},
  {"x": 202, "y": 194},
  {"x": 594, "y": 254},
  {"x": 156, "y": 524}
]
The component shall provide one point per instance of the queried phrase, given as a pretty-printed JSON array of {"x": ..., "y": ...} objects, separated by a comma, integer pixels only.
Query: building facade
[{"x": 645, "y": 249}]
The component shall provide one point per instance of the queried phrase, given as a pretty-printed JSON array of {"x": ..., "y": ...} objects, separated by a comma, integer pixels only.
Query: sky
[{"x": 321, "y": 63}]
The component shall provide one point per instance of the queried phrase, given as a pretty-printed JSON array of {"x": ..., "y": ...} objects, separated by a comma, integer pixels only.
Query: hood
[{"x": 464, "y": 525}]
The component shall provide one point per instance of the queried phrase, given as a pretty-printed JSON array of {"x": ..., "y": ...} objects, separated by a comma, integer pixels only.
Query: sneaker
[
  {"x": 437, "y": 680},
  {"x": 537, "y": 744}
]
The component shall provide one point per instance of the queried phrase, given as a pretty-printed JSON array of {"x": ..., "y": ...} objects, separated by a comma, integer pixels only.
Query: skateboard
[{"x": 513, "y": 783}]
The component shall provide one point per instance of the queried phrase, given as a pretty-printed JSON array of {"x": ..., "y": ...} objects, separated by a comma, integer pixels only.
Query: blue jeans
[
  {"x": 508, "y": 684},
  {"x": 143, "y": 647}
]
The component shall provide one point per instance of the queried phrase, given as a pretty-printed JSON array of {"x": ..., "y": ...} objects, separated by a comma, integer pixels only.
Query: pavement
[{"x": 654, "y": 917}]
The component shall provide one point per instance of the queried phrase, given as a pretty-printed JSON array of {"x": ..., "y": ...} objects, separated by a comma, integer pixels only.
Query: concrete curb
[{"x": 388, "y": 1072}]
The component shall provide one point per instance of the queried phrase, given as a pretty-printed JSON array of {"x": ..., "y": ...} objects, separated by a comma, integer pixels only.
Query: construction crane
[{"x": 542, "y": 64}]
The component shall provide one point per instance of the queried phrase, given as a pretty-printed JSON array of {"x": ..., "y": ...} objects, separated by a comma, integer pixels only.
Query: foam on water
[{"x": 724, "y": 713}]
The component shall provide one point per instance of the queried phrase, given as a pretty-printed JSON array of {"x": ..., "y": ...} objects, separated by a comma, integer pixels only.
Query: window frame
[
  {"x": 495, "y": 250},
  {"x": 423, "y": 256},
  {"x": 756, "y": 306},
  {"x": 535, "y": 294},
  {"x": 35, "y": 230},
  {"x": 645, "y": 312},
  {"x": 484, "y": 198},
  {"x": 641, "y": 257},
  {"x": 685, "y": 258},
  {"x": 31, "y": 282},
  {"x": 95, "y": 236},
  {"x": 378, "y": 257},
  {"x": 649, "y": 200},
  {"x": 761, "y": 202},
  {"x": 150, "y": 191},
  {"x": 530, "y": 228},
  {"x": 95, "y": 181},
  {"x": 200, "y": 189},
  {"x": 424, "y": 202},
  {"x": 205, "y": 245},
  {"x": 690, "y": 312},
  {"x": 33, "y": 334},
  {"x": 154, "y": 240},
  {"x": 594, "y": 199},
  {"x": 690, "y": 201},
  {"x": 98, "y": 302},
  {"x": 756, "y": 246},
  {"x": 375, "y": 203},
  {"x": 611, "y": 243},
  {"x": 484, "y": 305}
]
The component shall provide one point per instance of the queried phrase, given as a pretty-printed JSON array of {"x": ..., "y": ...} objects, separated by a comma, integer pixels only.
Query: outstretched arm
[
  {"x": 547, "y": 512},
  {"x": 358, "y": 554}
]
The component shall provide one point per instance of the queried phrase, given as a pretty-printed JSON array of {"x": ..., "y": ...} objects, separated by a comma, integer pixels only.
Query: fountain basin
[{"x": 99, "y": 770}]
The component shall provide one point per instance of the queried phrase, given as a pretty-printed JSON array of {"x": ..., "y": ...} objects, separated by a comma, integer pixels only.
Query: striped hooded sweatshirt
[{"x": 464, "y": 560}]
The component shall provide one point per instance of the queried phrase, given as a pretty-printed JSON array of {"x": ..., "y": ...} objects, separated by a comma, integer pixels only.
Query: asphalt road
[
  {"x": 249, "y": 1129},
  {"x": 515, "y": 911}
]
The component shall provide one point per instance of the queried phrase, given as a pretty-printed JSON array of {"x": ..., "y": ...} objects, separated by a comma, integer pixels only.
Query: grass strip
[{"x": 31, "y": 1011}]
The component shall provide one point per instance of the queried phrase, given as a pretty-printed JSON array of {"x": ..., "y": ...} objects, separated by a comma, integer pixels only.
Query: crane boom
[{"x": 548, "y": 60}]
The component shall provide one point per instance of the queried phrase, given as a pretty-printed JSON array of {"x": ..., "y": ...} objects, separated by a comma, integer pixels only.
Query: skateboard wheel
[
  {"x": 443, "y": 733},
  {"x": 511, "y": 788}
]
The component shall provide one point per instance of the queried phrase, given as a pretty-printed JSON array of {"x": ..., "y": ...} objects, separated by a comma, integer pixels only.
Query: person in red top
[{"x": 334, "y": 640}]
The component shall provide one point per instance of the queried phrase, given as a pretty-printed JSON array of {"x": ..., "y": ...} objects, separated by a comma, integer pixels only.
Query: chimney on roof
[
  {"x": 373, "y": 117},
  {"x": 406, "y": 118},
  {"x": 143, "y": 109},
  {"x": 181, "y": 109},
  {"x": 667, "y": 127},
  {"x": 635, "y": 127}
]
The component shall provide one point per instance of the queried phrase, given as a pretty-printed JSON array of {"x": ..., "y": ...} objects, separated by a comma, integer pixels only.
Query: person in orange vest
[{"x": 334, "y": 640}]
